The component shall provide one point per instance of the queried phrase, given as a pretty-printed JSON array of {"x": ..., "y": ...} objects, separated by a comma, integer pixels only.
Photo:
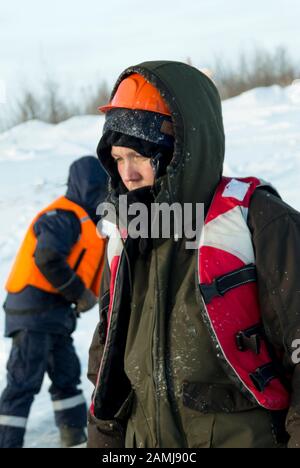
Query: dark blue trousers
[{"x": 32, "y": 355}]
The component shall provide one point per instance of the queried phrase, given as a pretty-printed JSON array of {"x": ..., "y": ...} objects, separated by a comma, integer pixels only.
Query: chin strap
[{"x": 157, "y": 165}]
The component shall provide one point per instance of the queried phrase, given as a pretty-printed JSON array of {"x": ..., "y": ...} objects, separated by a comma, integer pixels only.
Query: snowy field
[{"x": 263, "y": 139}]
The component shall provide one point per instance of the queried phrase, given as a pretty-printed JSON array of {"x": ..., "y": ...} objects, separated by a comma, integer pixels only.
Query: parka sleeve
[
  {"x": 57, "y": 232},
  {"x": 275, "y": 230},
  {"x": 102, "y": 434}
]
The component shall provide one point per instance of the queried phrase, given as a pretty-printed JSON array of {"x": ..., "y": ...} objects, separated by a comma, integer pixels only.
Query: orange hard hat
[{"x": 134, "y": 92}]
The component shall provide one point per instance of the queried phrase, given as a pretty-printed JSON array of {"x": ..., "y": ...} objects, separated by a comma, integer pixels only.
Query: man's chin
[{"x": 136, "y": 187}]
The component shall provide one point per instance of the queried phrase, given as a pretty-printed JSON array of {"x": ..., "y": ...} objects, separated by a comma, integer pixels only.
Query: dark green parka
[{"x": 161, "y": 381}]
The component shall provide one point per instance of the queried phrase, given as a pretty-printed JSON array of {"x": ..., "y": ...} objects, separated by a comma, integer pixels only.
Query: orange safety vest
[{"x": 86, "y": 256}]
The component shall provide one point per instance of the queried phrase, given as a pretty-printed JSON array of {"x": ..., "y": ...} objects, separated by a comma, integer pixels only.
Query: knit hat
[{"x": 148, "y": 133}]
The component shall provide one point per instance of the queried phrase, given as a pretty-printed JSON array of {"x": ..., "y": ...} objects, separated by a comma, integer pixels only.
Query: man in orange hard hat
[
  {"x": 194, "y": 348},
  {"x": 56, "y": 276},
  {"x": 137, "y": 118}
]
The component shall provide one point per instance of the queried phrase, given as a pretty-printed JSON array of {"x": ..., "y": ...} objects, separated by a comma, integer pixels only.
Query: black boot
[{"x": 72, "y": 436}]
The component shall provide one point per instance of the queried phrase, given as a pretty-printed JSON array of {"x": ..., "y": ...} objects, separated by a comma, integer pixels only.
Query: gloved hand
[{"x": 86, "y": 301}]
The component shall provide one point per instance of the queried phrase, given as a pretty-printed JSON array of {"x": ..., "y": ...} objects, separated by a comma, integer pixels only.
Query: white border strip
[
  {"x": 13, "y": 421},
  {"x": 68, "y": 403}
]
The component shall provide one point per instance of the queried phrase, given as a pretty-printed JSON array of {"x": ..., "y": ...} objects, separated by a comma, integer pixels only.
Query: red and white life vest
[{"x": 227, "y": 278}]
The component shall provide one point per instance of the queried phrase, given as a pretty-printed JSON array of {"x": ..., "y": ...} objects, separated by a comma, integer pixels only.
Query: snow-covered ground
[{"x": 263, "y": 139}]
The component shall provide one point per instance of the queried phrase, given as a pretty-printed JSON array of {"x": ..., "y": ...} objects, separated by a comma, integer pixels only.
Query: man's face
[{"x": 135, "y": 170}]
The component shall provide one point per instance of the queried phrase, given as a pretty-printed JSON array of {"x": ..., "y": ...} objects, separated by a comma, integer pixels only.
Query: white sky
[{"x": 81, "y": 41}]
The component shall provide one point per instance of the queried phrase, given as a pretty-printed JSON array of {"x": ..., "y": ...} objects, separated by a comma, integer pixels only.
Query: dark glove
[
  {"x": 293, "y": 427},
  {"x": 86, "y": 301},
  {"x": 104, "y": 434}
]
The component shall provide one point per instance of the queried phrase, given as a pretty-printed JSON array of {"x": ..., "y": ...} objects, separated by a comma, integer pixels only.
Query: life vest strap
[
  {"x": 263, "y": 376},
  {"x": 225, "y": 283},
  {"x": 250, "y": 339}
]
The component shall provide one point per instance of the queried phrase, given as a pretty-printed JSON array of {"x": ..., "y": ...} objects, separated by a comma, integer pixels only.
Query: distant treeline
[
  {"x": 261, "y": 68},
  {"x": 50, "y": 105}
]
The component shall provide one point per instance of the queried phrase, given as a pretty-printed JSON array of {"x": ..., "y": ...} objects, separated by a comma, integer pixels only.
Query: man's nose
[{"x": 130, "y": 171}]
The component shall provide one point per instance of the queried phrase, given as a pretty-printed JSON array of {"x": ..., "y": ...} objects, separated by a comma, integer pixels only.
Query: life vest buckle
[
  {"x": 250, "y": 339},
  {"x": 210, "y": 291},
  {"x": 262, "y": 377}
]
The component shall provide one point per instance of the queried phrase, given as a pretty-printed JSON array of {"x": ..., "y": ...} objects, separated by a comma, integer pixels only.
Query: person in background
[{"x": 55, "y": 278}]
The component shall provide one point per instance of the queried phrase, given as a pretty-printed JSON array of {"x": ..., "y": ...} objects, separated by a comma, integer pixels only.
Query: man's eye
[{"x": 140, "y": 158}]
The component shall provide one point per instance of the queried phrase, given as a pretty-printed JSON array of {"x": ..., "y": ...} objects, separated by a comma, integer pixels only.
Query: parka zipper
[
  {"x": 155, "y": 353},
  {"x": 169, "y": 376},
  {"x": 155, "y": 356}
]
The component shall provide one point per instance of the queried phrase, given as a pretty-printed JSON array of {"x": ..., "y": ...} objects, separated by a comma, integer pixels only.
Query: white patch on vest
[
  {"x": 236, "y": 189},
  {"x": 229, "y": 232},
  {"x": 107, "y": 228},
  {"x": 115, "y": 245}
]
